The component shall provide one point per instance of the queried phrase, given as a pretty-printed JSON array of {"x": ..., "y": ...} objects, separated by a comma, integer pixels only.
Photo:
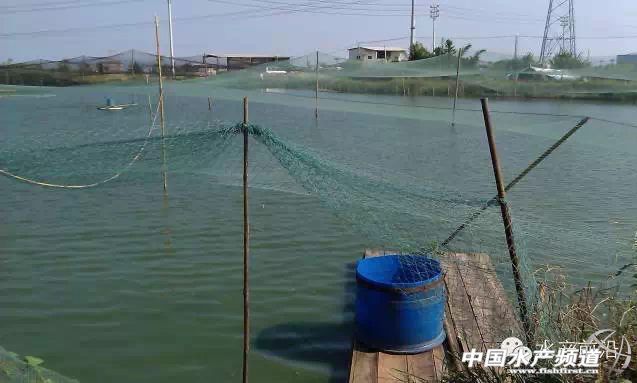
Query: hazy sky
[{"x": 55, "y": 29}]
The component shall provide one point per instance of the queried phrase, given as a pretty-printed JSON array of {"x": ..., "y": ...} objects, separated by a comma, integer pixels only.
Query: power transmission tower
[
  {"x": 434, "y": 13},
  {"x": 562, "y": 36}
]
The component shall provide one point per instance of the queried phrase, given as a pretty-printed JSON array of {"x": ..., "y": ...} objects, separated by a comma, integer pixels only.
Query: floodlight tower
[
  {"x": 564, "y": 38},
  {"x": 434, "y": 13}
]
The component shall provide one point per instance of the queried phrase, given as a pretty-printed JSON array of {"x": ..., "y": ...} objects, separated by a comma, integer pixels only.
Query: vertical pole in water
[
  {"x": 170, "y": 35},
  {"x": 455, "y": 99},
  {"x": 317, "y": 85},
  {"x": 161, "y": 103},
  {"x": 209, "y": 103},
  {"x": 246, "y": 246},
  {"x": 150, "y": 109},
  {"x": 506, "y": 217}
]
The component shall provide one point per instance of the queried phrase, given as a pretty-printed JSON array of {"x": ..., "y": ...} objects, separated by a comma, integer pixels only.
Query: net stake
[
  {"x": 455, "y": 99},
  {"x": 317, "y": 86},
  {"x": 161, "y": 105},
  {"x": 150, "y": 109},
  {"x": 506, "y": 217},
  {"x": 246, "y": 246}
]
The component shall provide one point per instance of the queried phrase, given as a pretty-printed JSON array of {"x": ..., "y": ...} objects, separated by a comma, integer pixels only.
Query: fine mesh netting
[
  {"x": 29, "y": 369},
  {"x": 394, "y": 169}
]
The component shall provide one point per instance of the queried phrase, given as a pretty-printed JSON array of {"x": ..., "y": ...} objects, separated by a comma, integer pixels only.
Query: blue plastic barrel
[{"x": 400, "y": 303}]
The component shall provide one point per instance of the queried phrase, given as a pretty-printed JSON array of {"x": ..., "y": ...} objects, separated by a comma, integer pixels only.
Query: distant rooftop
[{"x": 390, "y": 49}]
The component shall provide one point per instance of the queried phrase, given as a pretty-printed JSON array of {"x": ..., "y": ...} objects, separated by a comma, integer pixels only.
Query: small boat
[{"x": 111, "y": 106}]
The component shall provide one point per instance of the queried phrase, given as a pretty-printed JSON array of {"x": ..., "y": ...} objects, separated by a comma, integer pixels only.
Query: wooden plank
[
  {"x": 440, "y": 363},
  {"x": 392, "y": 368},
  {"x": 494, "y": 314},
  {"x": 453, "y": 349},
  {"x": 369, "y": 253},
  {"x": 364, "y": 367},
  {"x": 467, "y": 330},
  {"x": 422, "y": 367}
]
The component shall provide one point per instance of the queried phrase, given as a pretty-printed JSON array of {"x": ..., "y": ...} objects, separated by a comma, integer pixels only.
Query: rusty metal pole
[
  {"x": 246, "y": 246},
  {"x": 506, "y": 217}
]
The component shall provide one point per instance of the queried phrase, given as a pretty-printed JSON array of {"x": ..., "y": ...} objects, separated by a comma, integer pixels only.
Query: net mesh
[
  {"x": 394, "y": 168},
  {"x": 27, "y": 370}
]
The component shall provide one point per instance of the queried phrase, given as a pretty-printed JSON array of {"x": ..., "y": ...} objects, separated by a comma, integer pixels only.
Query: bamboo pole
[
  {"x": 161, "y": 105},
  {"x": 506, "y": 217},
  {"x": 246, "y": 246},
  {"x": 150, "y": 109},
  {"x": 455, "y": 99},
  {"x": 317, "y": 86},
  {"x": 209, "y": 103}
]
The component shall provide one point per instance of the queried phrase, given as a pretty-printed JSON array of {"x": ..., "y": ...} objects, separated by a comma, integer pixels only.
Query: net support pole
[
  {"x": 506, "y": 217},
  {"x": 161, "y": 105},
  {"x": 455, "y": 99},
  {"x": 246, "y": 246},
  {"x": 317, "y": 86},
  {"x": 150, "y": 109},
  {"x": 170, "y": 35}
]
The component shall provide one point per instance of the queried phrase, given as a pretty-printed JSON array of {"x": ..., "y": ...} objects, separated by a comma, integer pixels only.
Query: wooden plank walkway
[{"x": 478, "y": 315}]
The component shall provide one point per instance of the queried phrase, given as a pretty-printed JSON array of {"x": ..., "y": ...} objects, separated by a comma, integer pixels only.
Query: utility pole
[
  {"x": 515, "y": 51},
  {"x": 434, "y": 12},
  {"x": 170, "y": 36},
  {"x": 411, "y": 28}
]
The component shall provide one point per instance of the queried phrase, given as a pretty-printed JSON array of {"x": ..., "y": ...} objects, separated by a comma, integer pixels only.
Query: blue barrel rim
[{"x": 435, "y": 280}]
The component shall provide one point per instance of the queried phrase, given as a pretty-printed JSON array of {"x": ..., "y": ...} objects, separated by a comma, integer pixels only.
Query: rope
[
  {"x": 517, "y": 179},
  {"x": 9, "y": 174}
]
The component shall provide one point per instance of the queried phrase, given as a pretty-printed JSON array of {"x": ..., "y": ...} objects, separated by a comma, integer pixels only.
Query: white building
[{"x": 367, "y": 53}]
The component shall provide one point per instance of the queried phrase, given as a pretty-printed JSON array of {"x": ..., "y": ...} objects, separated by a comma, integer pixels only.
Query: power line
[{"x": 64, "y": 6}]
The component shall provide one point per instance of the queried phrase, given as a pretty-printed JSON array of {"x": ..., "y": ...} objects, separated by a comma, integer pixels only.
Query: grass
[{"x": 565, "y": 313}]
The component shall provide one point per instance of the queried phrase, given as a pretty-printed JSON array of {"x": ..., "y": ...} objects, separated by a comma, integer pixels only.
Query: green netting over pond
[
  {"x": 511, "y": 77},
  {"x": 393, "y": 169}
]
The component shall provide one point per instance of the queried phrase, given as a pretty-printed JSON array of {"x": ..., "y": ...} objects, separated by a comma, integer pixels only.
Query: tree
[
  {"x": 418, "y": 52},
  {"x": 516, "y": 64},
  {"x": 85, "y": 68},
  {"x": 100, "y": 67},
  {"x": 567, "y": 60},
  {"x": 63, "y": 67},
  {"x": 473, "y": 60}
]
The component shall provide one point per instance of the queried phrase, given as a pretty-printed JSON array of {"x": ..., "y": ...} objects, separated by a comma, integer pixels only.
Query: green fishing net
[{"x": 28, "y": 369}]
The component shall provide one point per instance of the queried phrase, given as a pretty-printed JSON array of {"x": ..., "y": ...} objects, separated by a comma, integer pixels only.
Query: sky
[{"x": 57, "y": 29}]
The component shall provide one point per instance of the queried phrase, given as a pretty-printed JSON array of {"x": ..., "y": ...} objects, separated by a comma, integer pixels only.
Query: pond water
[{"x": 121, "y": 283}]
